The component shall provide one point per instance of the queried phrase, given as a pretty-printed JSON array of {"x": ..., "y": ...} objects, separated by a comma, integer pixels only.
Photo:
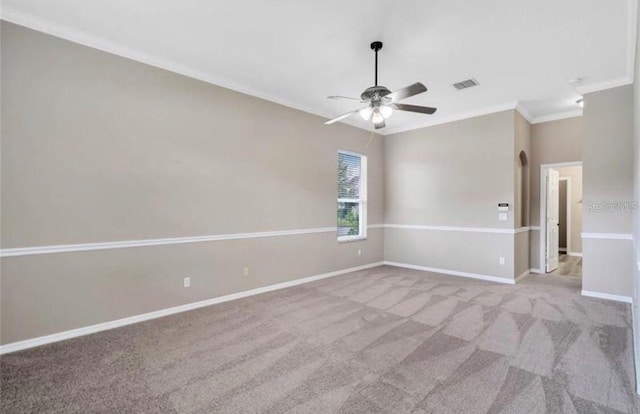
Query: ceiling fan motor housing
[{"x": 375, "y": 94}]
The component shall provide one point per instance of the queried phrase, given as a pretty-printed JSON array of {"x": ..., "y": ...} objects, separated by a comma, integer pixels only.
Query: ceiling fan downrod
[{"x": 376, "y": 46}]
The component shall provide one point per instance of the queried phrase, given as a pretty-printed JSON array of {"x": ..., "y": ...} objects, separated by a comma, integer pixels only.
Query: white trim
[
  {"x": 608, "y": 296},
  {"x": 522, "y": 230},
  {"x": 557, "y": 116},
  {"x": 455, "y": 117},
  {"x": 525, "y": 114},
  {"x": 601, "y": 86},
  {"x": 548, "y": 117},
  {"x": 574, "y": 254},
  {"x": 627, "y": 79},
  {"x": 74, "y": 333},
  {"x": 497, "y": 279},
  {"x": 562, "y": 249},
  {"x": 534, "y": 228},
  {"x": 451, "y": 228},
  {"x": 124, "y": 244},
  {"x": 607, "y": 236},
  {"x": 543, "y": 204},
  {"x": 523, "y": 275},
  {"x": 514, "y": 105},
  {"x": 67, "y": 248},
  {"x": 361, "y": 200},
  {"x": 537, "y": 271}
]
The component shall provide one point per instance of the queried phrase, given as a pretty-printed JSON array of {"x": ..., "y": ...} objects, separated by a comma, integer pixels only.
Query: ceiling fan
[{"x": 381, "y": 101}]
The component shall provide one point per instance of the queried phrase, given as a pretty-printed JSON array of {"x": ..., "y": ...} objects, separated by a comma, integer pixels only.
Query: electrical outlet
[
  {"x": 359, "y": 252},
  {"x": 187, "y": 282},
  {"x": 245, "y": 272},
  {"x": 502, "y": 260}
]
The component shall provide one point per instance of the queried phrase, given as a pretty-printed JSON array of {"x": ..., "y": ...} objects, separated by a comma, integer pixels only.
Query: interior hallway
[{"x": 568, "y": 266}]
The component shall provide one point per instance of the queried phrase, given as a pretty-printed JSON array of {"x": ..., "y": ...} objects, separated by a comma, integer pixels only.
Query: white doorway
[
  {"x": 554, "y": 258},
  {"x": 552, "y": 220}
]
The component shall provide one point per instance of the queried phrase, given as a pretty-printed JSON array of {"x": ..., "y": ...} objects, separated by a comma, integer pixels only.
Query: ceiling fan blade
[
  {"x": 415, "y": 108},
  {"x": 344, "y": 97},
  {"x": 343, "y": 116},
  {"x": 380, "y": 125},
  {"x": 411, "y": 90}
]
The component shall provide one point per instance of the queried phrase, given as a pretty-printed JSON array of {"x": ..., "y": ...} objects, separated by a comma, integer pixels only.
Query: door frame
[
  {"x": 568, "y": 195},
  {"x": 543, "y": 206}
]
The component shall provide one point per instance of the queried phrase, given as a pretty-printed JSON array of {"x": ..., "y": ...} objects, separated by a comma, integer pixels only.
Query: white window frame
[{"x": 362, "y": 200}]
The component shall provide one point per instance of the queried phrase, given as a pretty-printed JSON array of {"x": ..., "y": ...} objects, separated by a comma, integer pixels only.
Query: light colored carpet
[{"x": 386, "y": 340}]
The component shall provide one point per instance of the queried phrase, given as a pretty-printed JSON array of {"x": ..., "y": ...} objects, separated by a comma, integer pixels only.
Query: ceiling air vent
[{"x": 466, "y": 84}]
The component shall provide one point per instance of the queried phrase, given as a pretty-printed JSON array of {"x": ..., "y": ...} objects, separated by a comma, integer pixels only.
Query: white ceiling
[{"x": 297, "y": 52}]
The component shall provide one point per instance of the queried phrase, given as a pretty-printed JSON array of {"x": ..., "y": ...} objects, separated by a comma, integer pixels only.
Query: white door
[{"x": 553, "y": 212}]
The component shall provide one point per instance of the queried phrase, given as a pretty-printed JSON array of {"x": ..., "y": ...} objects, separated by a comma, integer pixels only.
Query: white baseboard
[
  {"x": 537, "y": 271},
  {"x": 497, "y": 279},
  {"x": 608, "y": 296},
  {"x": 61, "y": 336},
  {"x": 575, "y": 254},
  {"x": 562, "y": 249}
]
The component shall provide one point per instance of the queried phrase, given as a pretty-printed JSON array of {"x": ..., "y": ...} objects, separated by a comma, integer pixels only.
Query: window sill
[{"x": 351, "y": 239}]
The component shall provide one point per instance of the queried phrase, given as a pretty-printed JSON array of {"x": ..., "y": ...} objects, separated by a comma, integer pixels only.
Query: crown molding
[
  {"x": 627, "y": 79},
  {"x": 457, "y": 117},
  {"x": 608, "y": 84},
  {"x": 557, "y": 116},
  {"x": 547, "y": 118},
  {"x": 525, "y": 114}
]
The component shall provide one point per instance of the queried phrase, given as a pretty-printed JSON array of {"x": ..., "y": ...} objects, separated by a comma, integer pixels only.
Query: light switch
[{"x": 502, "y": 216}]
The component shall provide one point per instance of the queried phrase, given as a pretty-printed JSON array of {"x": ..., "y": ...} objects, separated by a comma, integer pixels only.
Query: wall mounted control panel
[{"x": 502, "y": 209}]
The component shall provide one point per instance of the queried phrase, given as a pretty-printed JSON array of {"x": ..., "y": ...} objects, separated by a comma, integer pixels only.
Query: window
[{"x": 352, "y": 196}]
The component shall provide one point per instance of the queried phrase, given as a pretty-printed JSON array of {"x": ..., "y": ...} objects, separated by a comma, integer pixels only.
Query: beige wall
[
  {"x": 523, "y": 172},
  {"x": 551, "y": 142},
  {"x": 452, "y": 175},
  {"x": 608, "y": 158},
  {"x": 522, "y": 176},
  {"x": 98, "y": 148},
  {"x": 575, "y": 201},
  {"x": 608, "y": 178},
  {"x": 521, "y": 254}
]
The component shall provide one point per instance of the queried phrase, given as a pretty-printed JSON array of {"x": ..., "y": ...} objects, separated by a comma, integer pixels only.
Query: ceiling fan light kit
[{"x": 381, "y": 101}]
